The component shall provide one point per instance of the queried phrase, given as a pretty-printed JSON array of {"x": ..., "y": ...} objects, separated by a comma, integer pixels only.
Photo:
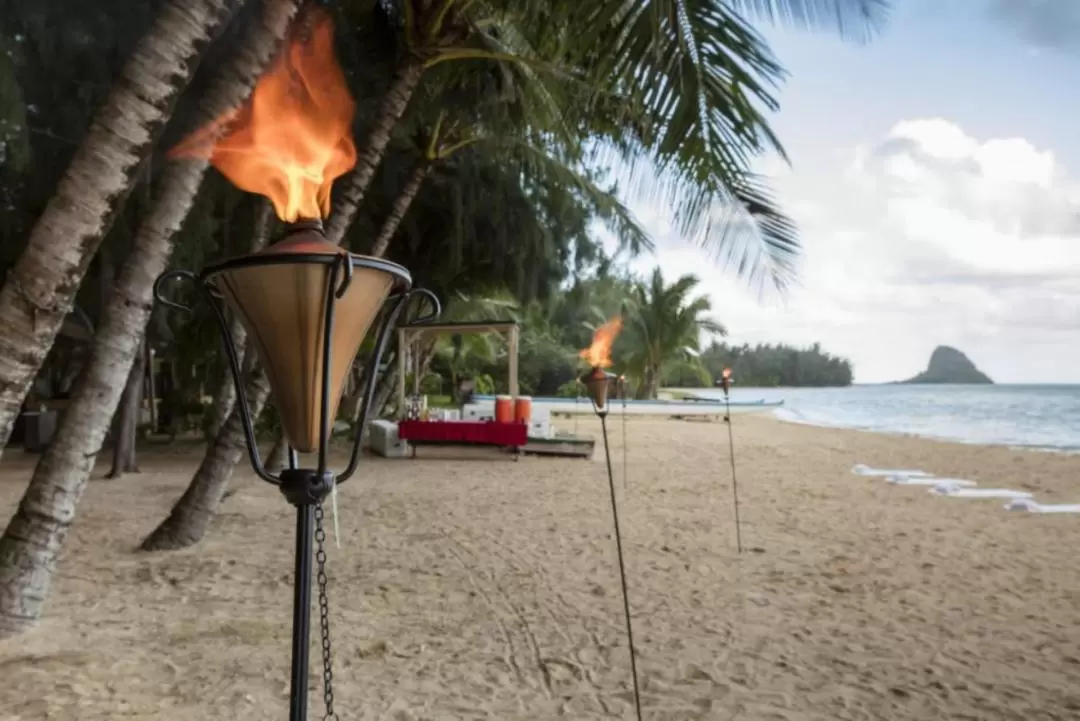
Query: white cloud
[{"x": 928, "y": 236}]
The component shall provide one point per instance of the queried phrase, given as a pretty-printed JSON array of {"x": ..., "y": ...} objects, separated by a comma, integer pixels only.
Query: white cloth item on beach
[
  {"x": 945, "y": 489},
  {"x": 930, "y": 481},
  {"x": 1026, "y": 504},
  {"x": 861, "y": 470}
]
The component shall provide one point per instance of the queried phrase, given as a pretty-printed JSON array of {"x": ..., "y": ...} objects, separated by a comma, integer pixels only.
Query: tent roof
[{"x": 477, "y": 326}]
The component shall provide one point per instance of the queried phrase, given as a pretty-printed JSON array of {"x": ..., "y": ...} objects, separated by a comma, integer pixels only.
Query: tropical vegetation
[
  {"x": 669, "y": 340},
  {"x": 484, "y": 132}
]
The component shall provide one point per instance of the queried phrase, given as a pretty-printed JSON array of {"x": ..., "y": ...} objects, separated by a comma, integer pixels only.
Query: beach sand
[{"x": 488, "y": 589}]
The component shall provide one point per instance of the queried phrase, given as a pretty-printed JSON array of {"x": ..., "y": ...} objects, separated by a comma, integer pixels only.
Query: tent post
[
  {"x": 404, "y": 348},
  {"x": 513, "y": 353}
]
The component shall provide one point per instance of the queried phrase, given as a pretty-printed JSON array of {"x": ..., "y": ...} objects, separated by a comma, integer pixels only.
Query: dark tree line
[{"x": 768, "y": 365}]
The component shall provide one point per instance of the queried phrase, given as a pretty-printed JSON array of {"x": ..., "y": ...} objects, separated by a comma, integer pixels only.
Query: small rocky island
[{"x": 948, "y": 365}]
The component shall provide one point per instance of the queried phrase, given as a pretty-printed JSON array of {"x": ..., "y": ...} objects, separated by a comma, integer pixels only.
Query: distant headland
[{"x": 948, "y": 365}]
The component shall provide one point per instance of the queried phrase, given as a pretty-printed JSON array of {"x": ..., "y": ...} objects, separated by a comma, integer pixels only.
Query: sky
[{"x": 935, "y": 179}]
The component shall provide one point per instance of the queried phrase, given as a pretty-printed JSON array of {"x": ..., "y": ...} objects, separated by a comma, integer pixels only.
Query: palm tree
[
  {"x": 35, "y": 535},
  {"x": 429, "y": 33},
  {"x": 500, "y": 110},
  {"x": 687, "y": 84},
  {"x": 41, "y": 287},
  {"x": 663, "y": 325},
  {"x": 621, "y": 71}
]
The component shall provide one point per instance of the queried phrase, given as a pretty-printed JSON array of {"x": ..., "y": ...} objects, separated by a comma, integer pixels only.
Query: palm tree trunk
[
  {"x": 126, "y": 418},
  {"x": 400, "y": 207},
  {"x": 353, "y": 402},
  {"x": 190, "y": 518},
  {"x": 391, "y": 108},
  {"x": 225, "y": 396},
  {"x": 29, "y": 546},
  {"x": 279, "y": 454},
  {"x": 42, "y": 285}
]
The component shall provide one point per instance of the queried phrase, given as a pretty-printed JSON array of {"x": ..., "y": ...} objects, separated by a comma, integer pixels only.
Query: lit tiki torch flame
[
  {"x": 294, "y": 137},
  {"x": 725, "y": 380},
  {"x": 598, "y": 356}
]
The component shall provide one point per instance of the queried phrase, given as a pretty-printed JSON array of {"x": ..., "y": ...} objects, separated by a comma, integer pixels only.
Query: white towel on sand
[
  {"x": 953, "y": 491},
  {"x": 930, "y": 481},
  {"x": 1026, "y": 504},
  {"x": 861, "y": 470}
]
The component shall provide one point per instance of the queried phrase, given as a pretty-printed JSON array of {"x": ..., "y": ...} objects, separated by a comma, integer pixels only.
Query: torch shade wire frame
[{"x": 342, "y": 268}]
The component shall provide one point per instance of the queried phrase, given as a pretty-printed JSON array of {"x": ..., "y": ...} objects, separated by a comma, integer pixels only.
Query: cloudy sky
[{"x": 935, "y": 178}]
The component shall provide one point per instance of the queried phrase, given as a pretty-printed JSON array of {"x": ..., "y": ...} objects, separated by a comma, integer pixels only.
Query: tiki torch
[
  {"x": 306, "y": 303},
  {"x": 725, "y": 383},
  {"x": 597, "y": 382}
]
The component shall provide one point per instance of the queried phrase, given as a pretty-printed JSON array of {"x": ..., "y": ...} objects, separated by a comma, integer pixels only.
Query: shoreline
[{"x": 1061, "y": 450}]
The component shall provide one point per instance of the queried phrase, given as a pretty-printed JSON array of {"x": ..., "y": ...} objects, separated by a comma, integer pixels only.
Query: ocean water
[{"x": 1033, "y": 416}]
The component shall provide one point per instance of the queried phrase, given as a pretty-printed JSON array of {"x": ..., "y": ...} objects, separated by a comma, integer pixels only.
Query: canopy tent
[{"x": 408, "y": 336}]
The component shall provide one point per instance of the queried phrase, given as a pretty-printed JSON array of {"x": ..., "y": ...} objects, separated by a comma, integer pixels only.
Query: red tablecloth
[{"x": 480, "y": 432}]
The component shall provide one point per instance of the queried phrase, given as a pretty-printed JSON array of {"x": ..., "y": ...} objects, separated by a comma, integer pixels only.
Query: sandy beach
[{"x": 488, "y": 589}]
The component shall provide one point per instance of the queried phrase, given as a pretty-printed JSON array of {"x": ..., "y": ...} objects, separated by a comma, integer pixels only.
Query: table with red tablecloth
[{"x": 485, "y": 433}]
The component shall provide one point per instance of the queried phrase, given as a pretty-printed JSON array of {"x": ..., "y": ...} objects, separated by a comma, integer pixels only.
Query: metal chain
[{"x": 324, "y": 615}]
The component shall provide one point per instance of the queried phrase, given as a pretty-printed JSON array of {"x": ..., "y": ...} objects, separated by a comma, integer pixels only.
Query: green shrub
[
  {"x": 431, "y": 384},
  {"x": 484, "y": 384},
  {"x": 569, "y": 389}
]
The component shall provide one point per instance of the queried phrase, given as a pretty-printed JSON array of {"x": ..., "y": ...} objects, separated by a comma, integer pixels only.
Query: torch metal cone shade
[
  {"x": 280, "y": 295},
  {"x": 597, "y": 383}
]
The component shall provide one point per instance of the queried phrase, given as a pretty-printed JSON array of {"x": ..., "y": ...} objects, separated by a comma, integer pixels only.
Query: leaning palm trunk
[
  {"x": 279, "y": 454},
  {"x": 390, "y": 110},
  {"x": 400, "y": 207},
  {"x": 126, "y": 418},
  {"x": 226, "y": 392},
  {"x": 41, "y": 288},
  {"x": 354, "y": 401},
  {"x": 32, "y": 541},
  {"x": 190, "y": 518}
]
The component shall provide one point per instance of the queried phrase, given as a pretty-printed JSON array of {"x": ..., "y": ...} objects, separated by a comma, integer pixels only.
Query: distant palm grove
[{"x": 766, "y": 366}]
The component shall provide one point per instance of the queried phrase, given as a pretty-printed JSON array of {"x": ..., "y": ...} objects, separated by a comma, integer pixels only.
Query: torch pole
[
  {"x": 622, "y": 565},
  {"x": 734, "y": 480},
  {"x": 622, "y": 392},
  {"x": 577, "y": 401},
  {"x": 301, "y": 641},
  {"x": 301, "y": 633}
]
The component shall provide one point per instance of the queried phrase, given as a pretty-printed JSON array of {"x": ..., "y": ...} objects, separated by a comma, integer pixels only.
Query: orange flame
[
  {"x": 598, "y": 354},
  {"x": 294, "y": 137},
  {"x": 727, "y": 374}
]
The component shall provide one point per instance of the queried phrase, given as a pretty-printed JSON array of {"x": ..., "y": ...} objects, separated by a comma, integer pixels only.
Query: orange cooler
[
  {"x": 523, "y": 409},
  {"x": 504, "y": 409}
]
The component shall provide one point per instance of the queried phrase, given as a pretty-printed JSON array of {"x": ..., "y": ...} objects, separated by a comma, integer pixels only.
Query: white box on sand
[{"x": 385, "y": 440}]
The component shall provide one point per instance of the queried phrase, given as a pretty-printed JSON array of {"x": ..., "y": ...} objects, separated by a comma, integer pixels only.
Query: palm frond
[
  {"x": 700, "y": 79},
  {"x": 857, "y": 20}
]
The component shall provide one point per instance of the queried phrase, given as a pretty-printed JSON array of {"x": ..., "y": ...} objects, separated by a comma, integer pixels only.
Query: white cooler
[{"x": 385, "y": 440}]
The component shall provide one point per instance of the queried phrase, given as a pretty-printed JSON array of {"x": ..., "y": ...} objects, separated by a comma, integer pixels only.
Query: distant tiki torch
[
  {"x": 725, "y": 383},
  {"x": 597, "y": 382}
]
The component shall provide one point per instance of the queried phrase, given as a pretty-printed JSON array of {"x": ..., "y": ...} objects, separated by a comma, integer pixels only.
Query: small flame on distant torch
[{"x": 725, "y": 379}]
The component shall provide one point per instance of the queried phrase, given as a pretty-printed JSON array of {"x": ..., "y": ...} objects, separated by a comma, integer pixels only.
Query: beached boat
[{"x": 698, "y": 406}]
